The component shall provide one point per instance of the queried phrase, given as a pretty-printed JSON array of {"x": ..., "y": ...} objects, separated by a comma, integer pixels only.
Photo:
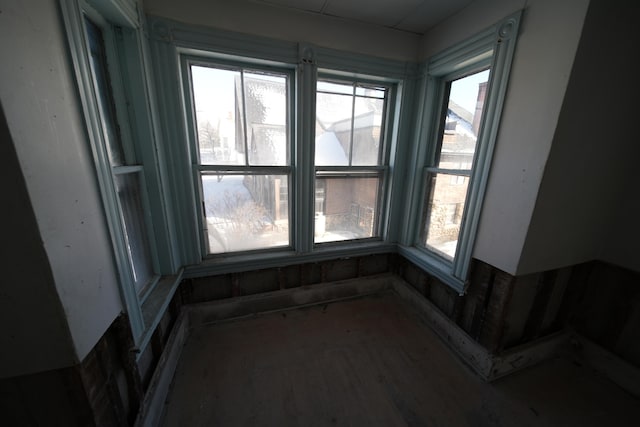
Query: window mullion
[{"x": 244, "y": 119}]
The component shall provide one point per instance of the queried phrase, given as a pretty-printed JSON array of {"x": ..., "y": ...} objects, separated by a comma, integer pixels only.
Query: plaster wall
[
  {"x": 37, "y": 91},
  {"x": 245, "y": 16},
  {"x": 587, "y": 207},
  {"x": 547, "y": 43}
]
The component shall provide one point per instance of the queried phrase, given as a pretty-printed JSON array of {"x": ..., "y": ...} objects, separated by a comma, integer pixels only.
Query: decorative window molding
[{"x": 491, "y": 50}]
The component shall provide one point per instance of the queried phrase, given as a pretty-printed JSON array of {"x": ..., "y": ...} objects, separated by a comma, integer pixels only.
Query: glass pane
[
  {"x": 219, "y": 115},
  {"x": 348, "y": 127},
  {"x": 346, "y": 208},
  {"x": 370, "y": 91},
  {"x": 461, "y": 128},
  {"x": 367, "y": 125},
  {"x": 245, "y": 212},
  {"x": 333, "y": 129},
  {"x": 135, "y": 227},
  {"x": 105, "y": 94},
  {"x": 346, "y": 89},
  {"x": 266, "y": 105},
  {"x": 445, "y": 206}
]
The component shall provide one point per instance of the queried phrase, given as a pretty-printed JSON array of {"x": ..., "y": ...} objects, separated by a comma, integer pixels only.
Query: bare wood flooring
[{"x": 370, "y": 362}]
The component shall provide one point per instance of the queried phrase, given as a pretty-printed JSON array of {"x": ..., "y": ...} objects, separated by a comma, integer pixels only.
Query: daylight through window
[{"x": 243, "y": 145}]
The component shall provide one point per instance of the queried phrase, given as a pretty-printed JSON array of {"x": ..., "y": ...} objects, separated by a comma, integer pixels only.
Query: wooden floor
[{"x": 370, "y": 362}]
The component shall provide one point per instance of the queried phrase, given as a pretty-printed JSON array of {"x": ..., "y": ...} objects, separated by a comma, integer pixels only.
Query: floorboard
[{"x": 370, "y": 362}]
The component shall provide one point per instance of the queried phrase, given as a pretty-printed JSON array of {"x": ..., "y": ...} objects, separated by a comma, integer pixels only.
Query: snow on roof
[{"x": 329, "y": 151}]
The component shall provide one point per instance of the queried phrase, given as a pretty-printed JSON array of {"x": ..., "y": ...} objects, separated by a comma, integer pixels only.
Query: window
[
  {"x": 127, "y": 173},
  {"x": 109, "y": 57},
  {"x": 464, "y": 88},
  {"x": 448, "y": 178},
  {"x": 350, "y": 159},
  {"x": 242, "y": 128}
]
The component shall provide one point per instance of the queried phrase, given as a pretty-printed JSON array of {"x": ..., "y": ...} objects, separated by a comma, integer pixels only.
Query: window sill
[
  {"x": 432, "y": 265},
  {"x": 258, "y": 261},
  {"x": 155, "y": 305}
]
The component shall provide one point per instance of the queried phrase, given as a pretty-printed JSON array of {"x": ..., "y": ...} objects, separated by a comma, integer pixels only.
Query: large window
[
  {"x": 126, "y": 170},
  {"x": 109, "y": 59},
  {"x": 448, "y": 177},
  {"x": 240, "y": 116},
  {"x": 464, "y": 89},
  {"x": 350, "y": 159}
]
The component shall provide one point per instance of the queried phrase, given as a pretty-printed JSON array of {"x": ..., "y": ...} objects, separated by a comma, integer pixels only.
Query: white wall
[
  {"x": 245, "y": 16},
  {"x": 37, "y": 91},
  {"x": 588, "y": 205},
  {"x": 548, "y": 39}
]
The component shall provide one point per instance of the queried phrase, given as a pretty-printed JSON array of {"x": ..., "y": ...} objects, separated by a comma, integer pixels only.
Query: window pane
[
  {"x": 346, "y": 208},
  {"x": 219, "y": 115},
  {"x": 348, "y": 127},
  {"x": 245, "y": 212},
  {"x": 464, "y": 111},
  {"x": 370, "y": 91},
  {"x": 333, "y": 129},
  {"x": 266, "y": 106},
  {"x": 136, "y": 235},
  {"x": 367, "y": 125},
  {"x": 105, "y": 97},
  {"x": 346, "y": 89},
  {"x": 445, "y": 206}
]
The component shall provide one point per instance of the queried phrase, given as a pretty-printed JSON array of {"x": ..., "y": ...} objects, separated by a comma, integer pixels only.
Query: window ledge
[
  {"x": 432, "y": 265},
  {"x": 156, "y": 305}
]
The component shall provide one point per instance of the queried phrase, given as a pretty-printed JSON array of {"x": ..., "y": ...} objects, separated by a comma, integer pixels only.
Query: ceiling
[{"x": 416, "y": 16}]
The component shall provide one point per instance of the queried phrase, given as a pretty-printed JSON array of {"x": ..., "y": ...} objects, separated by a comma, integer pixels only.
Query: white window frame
[{"x": 492, "y": 48}]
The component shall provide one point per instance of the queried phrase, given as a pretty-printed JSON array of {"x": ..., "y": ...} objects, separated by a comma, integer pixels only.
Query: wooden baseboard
[
  {"x": 230, "y": 308},
  {"x": 153, "y": 404},
  {"x": 487, "y": 365},
  {"x": 606, "y": 363}
]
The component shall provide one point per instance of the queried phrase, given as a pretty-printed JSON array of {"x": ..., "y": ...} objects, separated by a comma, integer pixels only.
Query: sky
[{"x": 464, "y": 91}]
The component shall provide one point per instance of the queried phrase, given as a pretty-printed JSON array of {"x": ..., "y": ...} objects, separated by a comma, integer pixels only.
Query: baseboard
[
  {"x": 153, "y": 404},
  {"x": 529, "y": 354},
  {"x": 467, "y": 349},
  {"x": 485, "y": 364},
  {"x": 606, "y": 363},
  {"x": 231, "y": 308}
]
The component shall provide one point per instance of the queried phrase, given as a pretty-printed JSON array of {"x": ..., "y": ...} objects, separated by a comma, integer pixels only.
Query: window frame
[
  {"x": 380, "y": 171},
  {"x": 127, "y": 69},
  {"x": 209, "y": 59},
  {"x": 492, "y": 48},
  {"x": 169, "y": 40}
]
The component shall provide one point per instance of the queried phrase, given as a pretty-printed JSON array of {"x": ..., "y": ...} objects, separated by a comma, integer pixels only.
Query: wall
[
  {"x": 587, "y": 207},
  {"x": 37, "y": 91},
  {"x": 28, "y": 286},
  {"x": 246, "y": 16},
  {"x": 548, "y": 39}
]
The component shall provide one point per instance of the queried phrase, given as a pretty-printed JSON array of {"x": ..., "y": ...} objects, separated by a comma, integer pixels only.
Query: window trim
[
  {"x": 124, "y": 42},
  {"x": 380, "y": 170},
  {"x": 209, "y": 59},
  {"x": 494, "y": 47}
]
